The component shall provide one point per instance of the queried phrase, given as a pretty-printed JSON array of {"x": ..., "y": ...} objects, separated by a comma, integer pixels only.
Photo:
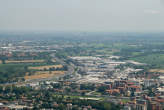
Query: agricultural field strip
[
  {"x": 24, "y": 61},
  {"x": 45, "y": 67},
  {"x": 44, "y": 74},
  {"x": 157, "y": 70}
]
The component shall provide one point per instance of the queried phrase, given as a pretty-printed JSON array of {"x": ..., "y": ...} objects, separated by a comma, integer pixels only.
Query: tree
[
  {"x": 3, "y": 58},
  {"x": 107, "y": 106}
]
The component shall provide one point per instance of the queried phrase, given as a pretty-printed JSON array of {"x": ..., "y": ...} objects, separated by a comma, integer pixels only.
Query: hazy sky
[{"x": 82, "y": 15}]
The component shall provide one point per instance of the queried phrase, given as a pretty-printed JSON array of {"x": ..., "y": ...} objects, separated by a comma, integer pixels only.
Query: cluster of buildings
[
  {"x": 100, "y": 69},
  {"x": 146, "y": 90}
]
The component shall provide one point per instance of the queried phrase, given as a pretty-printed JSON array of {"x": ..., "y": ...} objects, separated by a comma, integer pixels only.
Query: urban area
[{"x": 69, "y": 71}]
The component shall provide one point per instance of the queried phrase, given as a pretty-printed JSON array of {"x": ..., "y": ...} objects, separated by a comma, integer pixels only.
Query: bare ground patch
[
  {"x": 44, "y": 74},
  {"x": 157, "y": 70},
  {"x": 24, "y": 61}
]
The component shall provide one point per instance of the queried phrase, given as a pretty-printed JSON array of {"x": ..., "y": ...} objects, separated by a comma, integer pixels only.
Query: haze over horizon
[{"x": 82, "y": 15}]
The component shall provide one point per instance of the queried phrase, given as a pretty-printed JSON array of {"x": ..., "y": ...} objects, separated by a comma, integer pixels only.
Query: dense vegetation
[{"x": 11, "y": 73}]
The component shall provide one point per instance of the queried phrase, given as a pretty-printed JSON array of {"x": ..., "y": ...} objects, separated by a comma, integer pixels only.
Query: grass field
[
  {"x": 156, "y": 60},
  {"x": 45, "y": 67}
]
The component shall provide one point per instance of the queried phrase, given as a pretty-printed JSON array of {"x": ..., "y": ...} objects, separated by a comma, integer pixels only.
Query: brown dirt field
[
  {"x": 49, "y": 72},
  {"x": 157, "y": 70},
  {"x": 24, "y": 61},
  {"x": 45, "y": 67},
  {"x": 43, "y": 74}
]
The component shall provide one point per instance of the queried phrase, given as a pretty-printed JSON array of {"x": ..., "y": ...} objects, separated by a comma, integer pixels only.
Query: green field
[{"x": 155, "y": 60}]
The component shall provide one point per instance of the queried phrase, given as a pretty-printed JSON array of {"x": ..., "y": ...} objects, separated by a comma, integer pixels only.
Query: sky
[{"x": 82, "y": 15}]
